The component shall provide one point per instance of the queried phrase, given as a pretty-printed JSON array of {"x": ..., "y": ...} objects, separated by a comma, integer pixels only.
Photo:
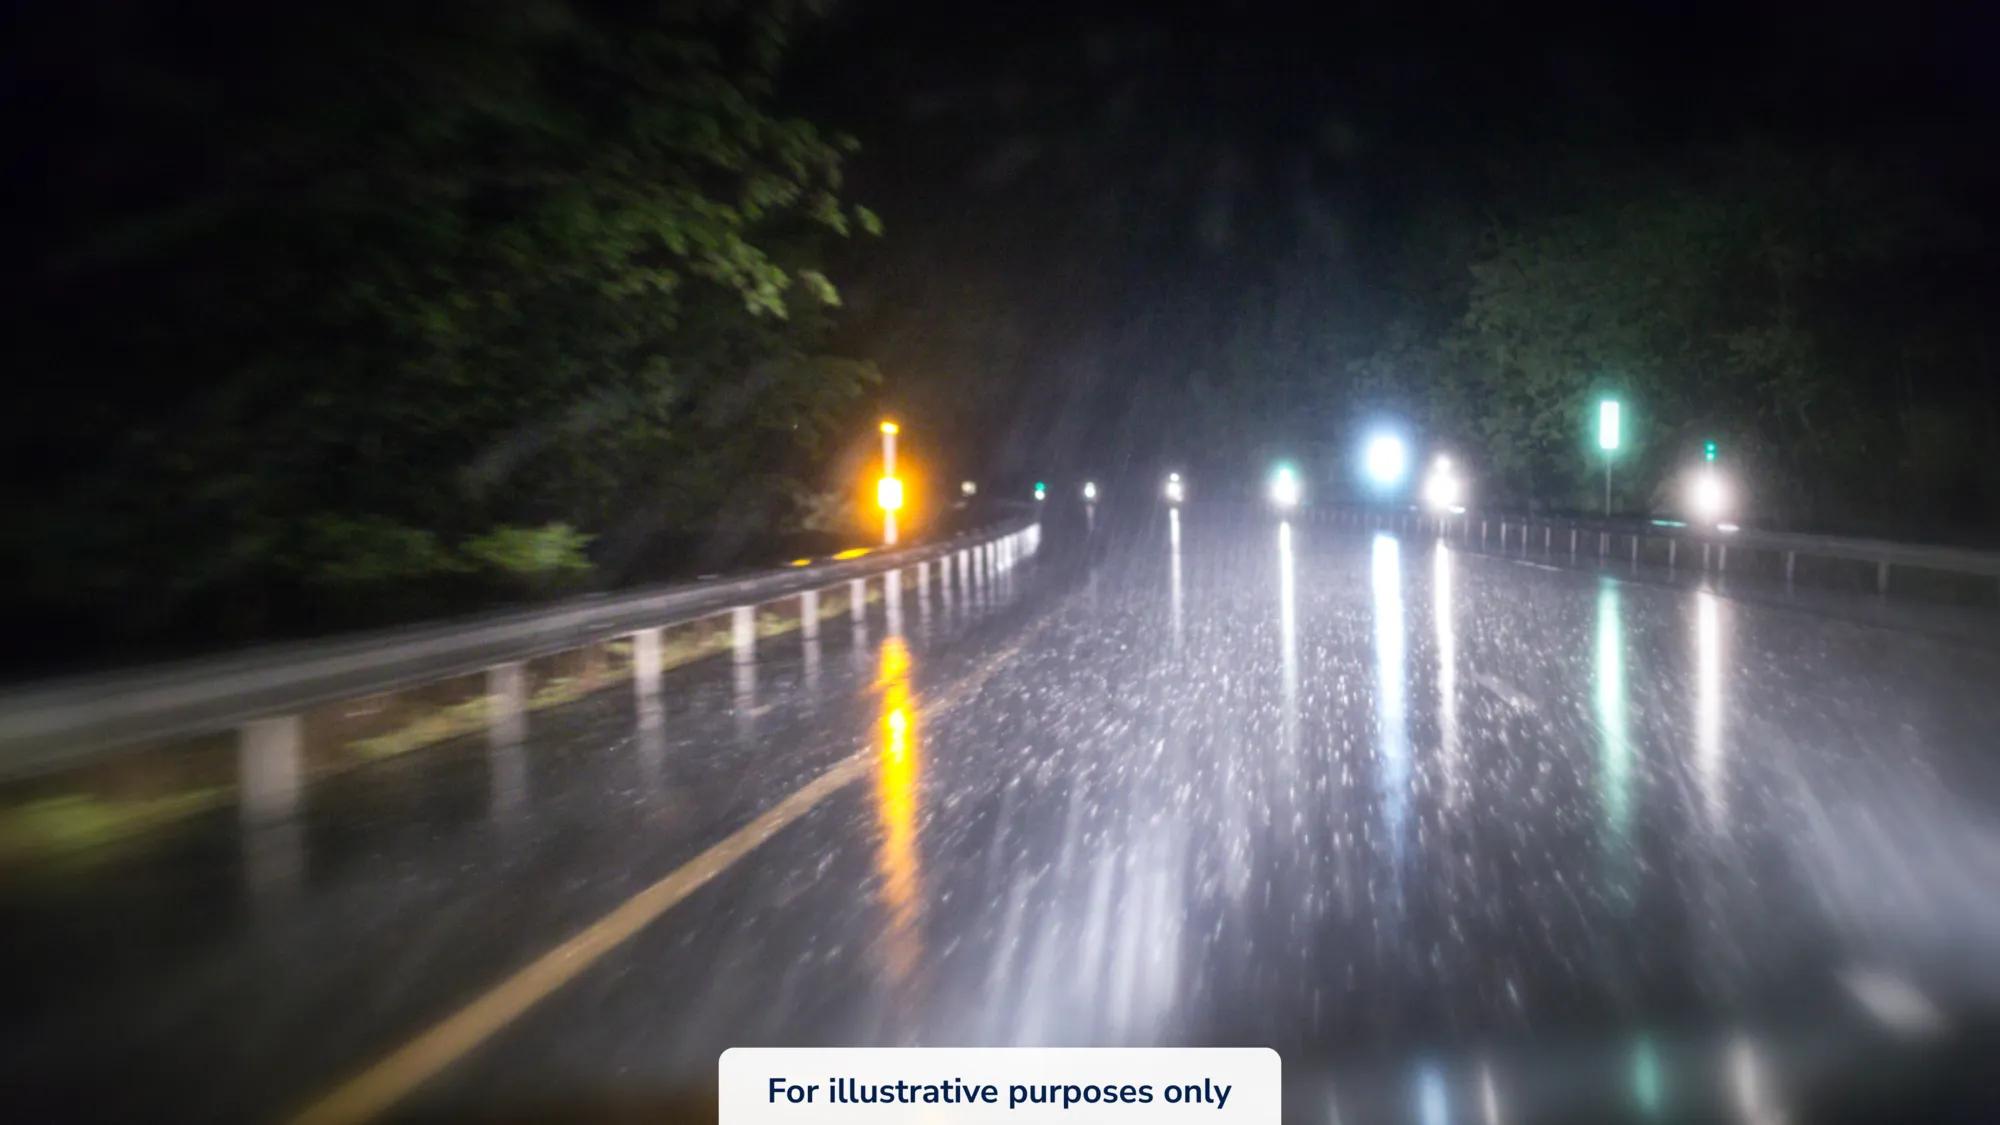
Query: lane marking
[
  {"x": 388, "y": 1081},
  {"x": 372, "y": 1092},
  {"x": 1898, "y": 1004}
]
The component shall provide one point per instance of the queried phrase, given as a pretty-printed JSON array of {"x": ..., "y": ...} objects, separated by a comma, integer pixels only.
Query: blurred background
[{"x": 322, "y": 316}]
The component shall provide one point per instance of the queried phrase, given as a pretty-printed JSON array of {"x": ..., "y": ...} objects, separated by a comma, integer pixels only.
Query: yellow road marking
[
  {"x": 409, "y": 1066},
  {"x": 390, "y": 1080}
]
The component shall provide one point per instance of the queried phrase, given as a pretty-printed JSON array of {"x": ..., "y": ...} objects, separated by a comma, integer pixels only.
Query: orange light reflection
[{"x": 897, "y": 861}]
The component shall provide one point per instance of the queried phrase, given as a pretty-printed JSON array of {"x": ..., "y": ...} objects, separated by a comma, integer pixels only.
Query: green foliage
[
  {"x": 1823, "y": 317},
  {"x": 442, "y": 269},
  {"x": 349, "y": 551},
  {"x": 552, "y": 549},
  {"x": 1719, "y": 300},
  {"x": 52, "y": 828}
]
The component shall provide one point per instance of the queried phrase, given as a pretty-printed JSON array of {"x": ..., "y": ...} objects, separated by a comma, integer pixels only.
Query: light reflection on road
[
  {"x": 1615, "y": 752},
  {"x": 1750, "y": 1086},
  {"x": 1648, "y": 1085},
  {"x": 1288, "y": 636},
  {"x": 1392, "y": 718},
  {"x": 1709, "y": 757},
  {"x": 898, "y": 862},
  {"x": 1447, "y": 658}
]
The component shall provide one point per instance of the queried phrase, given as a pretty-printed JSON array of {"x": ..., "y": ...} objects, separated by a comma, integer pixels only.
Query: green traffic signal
[{"x": 1708, "y": 451}]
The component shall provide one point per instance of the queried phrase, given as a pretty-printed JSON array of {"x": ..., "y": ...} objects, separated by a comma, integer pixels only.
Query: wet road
[{"x": 1464, "y": 837}]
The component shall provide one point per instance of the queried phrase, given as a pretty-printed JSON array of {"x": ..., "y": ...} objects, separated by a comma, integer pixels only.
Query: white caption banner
[{"x": 998, "y": 1085}]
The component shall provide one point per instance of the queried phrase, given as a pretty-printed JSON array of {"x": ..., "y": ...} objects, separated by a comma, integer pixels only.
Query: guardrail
[
  {"x": 258, "y": 693},
  {"x": 1610, "y": 536}
]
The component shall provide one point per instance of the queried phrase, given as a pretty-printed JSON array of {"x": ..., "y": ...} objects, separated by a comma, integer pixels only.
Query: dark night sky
[
  {"x": 1069, "y": 188},
  {"x": 1082, "y": 199}
]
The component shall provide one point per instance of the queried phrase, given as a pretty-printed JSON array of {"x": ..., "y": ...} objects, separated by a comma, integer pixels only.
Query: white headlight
[
  {"x": 1385, "y": 459},
  {"x": 1708, "y": 496},
  {"x": 1442, "y": 490},
  {"x": 1285, "y": 487}
]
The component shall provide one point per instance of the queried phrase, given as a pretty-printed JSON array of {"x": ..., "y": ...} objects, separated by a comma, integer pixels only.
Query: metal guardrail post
[
  {"x": 809, "y": 614},
  {"x": 646, "y": 662},
  {"x": 506, "y": 701},
  {"x": 507, "y": 728},
  {"x": 892, "y": 599},
  {"x": 270, "y": 768}
]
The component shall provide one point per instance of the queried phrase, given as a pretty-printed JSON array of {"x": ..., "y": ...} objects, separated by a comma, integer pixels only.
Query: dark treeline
[
  {"x": 1823, "y": 317},
  {"x": 1213, "y": 236},
  {"x": 330, "y": 314}
]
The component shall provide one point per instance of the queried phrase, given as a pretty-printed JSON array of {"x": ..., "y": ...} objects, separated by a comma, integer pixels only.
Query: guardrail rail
[
  {"x": 1610, "y": 537},
  {"x": 256, "y": 696}
]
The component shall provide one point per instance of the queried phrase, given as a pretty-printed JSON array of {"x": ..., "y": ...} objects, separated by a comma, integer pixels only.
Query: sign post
[{"x": 1607, "y": 440}]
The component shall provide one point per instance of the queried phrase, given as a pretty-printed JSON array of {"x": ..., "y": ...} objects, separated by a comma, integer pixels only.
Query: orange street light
[{"x": 889, "y": 495}]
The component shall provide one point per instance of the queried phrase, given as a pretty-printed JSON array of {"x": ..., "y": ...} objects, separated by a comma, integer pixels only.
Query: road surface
[{"x": 1465, "y": 837}]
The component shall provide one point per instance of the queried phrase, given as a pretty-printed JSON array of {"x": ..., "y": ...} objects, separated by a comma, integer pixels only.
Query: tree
[
  {"x": 432, "y": 269},
  {"x": 1737, "y": 296}
]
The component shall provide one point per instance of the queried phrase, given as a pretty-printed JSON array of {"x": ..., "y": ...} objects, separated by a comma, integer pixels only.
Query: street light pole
[
  {"x": 889, "y": 473},
  {"x": 1609, "y": 434}
]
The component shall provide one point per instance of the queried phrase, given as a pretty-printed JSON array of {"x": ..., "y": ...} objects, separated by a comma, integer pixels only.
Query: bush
[
  {"x": 368, "y": 550},
  {"x": 553, "y": 550}
]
